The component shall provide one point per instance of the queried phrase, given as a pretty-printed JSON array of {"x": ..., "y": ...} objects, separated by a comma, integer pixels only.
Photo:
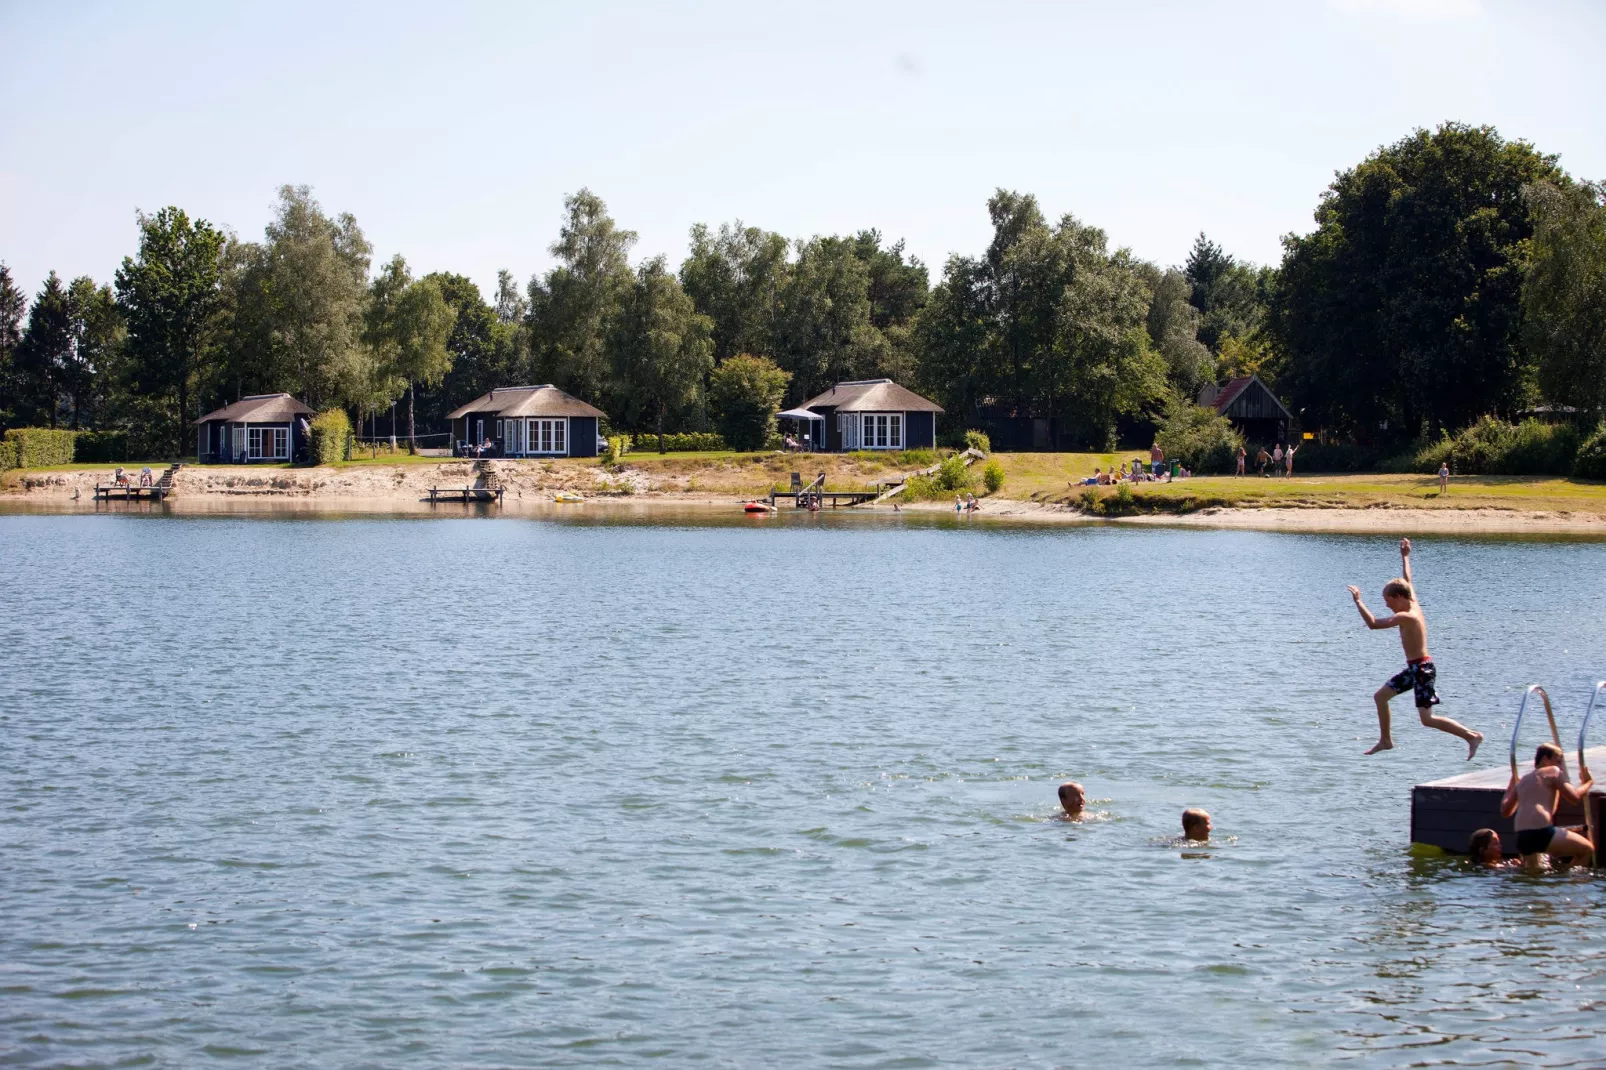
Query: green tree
[
  {"x": 97, "y": 333},
  {"x": 823, "y": 333},
  {"x": 1048, "y": 318},
  {"x": 1403, "y": 307},
  {"x": 1564, "y": 296},
  {"x": 407, "y": 326},
  {"x": 745, "y": 393},
  {"x": 44, "y": 355},
  {"x": 737, "y": 278},
  {"x": 13, "y": 306},
  {"x": 573, "y": 309},
  {"x": 299, "y": 315},
  {"x": 483, "y": 342},
  {"x": 662, "y": 349},
  {"x": 1173, "y": 326},
  {"x": 1229, "y": 295},
  {"x": 169, "y": 297}
]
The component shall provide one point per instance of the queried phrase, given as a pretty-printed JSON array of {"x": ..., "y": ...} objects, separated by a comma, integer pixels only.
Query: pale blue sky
[{"x": 453, "y": 132}]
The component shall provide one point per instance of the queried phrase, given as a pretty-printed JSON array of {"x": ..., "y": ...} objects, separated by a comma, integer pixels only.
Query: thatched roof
[
  {"x": 543, "y": 400},
  {"x": 259, "y": 409},
  {"x": 871, "y": 395}
]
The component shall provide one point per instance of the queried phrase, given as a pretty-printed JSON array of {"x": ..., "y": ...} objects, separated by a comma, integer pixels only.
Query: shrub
[
  {"x": 1091, "y": 500},
  {"x": 744, "y": 392},
  {"x": 8, "y": 454},
  {"x": 616, "y": 449},
  {"x": 41, "y": 446},
  {"x": 993, "y": 476},
  {"x": 921, "y": 458},
  {"x": 978, "y": 440},
  {"x": 922, "y": 489},
  {"x": 679, "y": 442},
  {"x": 331, "y": 437},
  {"x": 1590, "y": 463},
  {"x": 1200, "y": 438},
  {"x": 954, "y": 475},
  {"x": 1122, "y": 501},
  {"x": 99, "y": 447},
  {"x": 1496, "y": 448}
]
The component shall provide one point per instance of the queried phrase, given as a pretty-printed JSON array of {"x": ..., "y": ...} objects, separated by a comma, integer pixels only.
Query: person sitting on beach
[
  {"x": 1072, "y": 799},
  {"x": 1093, "y": 480},
  {"x": 971, "y": 504},
  {"x": 1419, "y": 676},
  {"x": 1532, "y": 798},
  {"x": 1483, "y": 848},
  {"x": 1196, "y": 825}
]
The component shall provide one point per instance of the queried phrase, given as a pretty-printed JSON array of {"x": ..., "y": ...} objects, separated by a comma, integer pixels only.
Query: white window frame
[
  {"x": 278, "y": 439},
  {"x": 547, "y": 436},
  {"x": 881, "y": 431}
]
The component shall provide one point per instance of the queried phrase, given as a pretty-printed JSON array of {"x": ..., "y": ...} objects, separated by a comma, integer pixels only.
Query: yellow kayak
[{"x": 567, "y": 496}]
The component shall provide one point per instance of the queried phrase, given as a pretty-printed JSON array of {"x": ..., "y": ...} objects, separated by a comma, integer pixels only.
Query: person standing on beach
[
  {"x": 1243, "y": 456},
  {"x": 1288, "y": 460},
  {"x": 1444, "y": 478},
  {"x": 1419, "y": 675},
  {"x": 1156, "y": 460},
  {"x": 1276, "y": 458}
]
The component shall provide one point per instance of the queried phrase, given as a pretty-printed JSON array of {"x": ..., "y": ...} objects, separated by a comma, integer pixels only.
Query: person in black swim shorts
[{"x": 1532, "y": 801}]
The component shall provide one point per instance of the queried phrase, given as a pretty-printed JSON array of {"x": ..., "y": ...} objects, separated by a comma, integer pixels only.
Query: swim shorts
[
  {"x": 1418, "y": 676},
  {"x": 1535, "y": 841}
]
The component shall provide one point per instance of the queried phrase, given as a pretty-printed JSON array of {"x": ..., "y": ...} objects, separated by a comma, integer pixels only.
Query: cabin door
[{"x": 239, "y": 443}]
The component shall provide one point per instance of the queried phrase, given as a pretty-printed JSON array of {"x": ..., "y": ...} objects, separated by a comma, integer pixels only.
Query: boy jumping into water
[{"x": 1419, "y": 674}]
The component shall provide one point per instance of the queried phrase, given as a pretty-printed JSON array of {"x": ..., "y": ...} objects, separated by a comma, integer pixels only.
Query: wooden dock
[
  {"x": 1444, "y": 813},
  {"x": 130, "y": 492},
  {"x": 465, "y": 494},
  {"x": 834, "y": 498}
]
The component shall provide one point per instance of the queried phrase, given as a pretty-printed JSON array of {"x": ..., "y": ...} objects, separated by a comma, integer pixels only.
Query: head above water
[
  {"x": 1547, "y": 754},
  {"x": 1072, "y": 797},
  {"x": 1196, "y": 824},
  {"x": 1484, "y": 847},
  {"x": 1398, "y": 591}
]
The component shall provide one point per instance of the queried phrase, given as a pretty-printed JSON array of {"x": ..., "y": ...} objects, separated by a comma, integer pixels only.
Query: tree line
[{"x": 1451, "y": 275}]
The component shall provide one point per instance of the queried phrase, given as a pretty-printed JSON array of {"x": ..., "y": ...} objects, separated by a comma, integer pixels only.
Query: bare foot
[
  {"x": 1384, "y": 744},
  {"x": 1473, "y": 744}
]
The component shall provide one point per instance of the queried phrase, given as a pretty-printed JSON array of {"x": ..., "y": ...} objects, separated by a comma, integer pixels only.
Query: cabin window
[
  {"x": 549, "y": 436},
  {"x": 268, "y": 443},
  {"x": 883, "y": 431}
]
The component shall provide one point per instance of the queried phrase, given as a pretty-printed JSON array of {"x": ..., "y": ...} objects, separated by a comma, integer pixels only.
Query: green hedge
[
  {"x": 679, "y": 442},
  {"x": 1492, "y": 447},
  {"x": 101, "y": 447},
  {"x": 8, "y": 454},
  {"x": 331, "y": 436},
  {"x": 41, "y": 446}
]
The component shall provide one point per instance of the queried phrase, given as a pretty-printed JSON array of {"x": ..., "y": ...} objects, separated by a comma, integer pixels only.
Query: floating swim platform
[{"x": 1444, "y": 813}]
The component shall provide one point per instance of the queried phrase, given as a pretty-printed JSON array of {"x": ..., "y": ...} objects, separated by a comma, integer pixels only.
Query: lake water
[{"x": 517, "y": 792}]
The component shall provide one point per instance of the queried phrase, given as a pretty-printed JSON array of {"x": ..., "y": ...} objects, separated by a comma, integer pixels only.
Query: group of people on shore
[
  {"x": 1279, "y": 461},
  {"x": 1073, "y": 805}
]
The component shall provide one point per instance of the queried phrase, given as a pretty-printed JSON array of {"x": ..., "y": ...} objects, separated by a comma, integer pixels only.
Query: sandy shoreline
[{"x": 530, "y": 489}]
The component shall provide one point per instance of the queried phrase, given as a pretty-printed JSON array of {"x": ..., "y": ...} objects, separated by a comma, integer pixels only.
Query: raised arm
[
  {"x": 1405, "y": 562},
  {"x": 1374, "y": 623},
  {"x": 1579, "y": 793},
  {"x": 1508, "y": 801}
]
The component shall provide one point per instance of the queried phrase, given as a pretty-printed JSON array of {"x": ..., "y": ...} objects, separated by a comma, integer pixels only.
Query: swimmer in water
[
  {"x": 1483, "y": 849},
  {"x": 1072, "y": 799},
  {"x": 1532, "y": 801},
  {"x": 1419, "y": 675},
  {"x": 1196, "y": 825}
]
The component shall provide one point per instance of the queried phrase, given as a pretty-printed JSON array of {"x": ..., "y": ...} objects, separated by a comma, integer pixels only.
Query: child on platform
[
  {"x": 1419, "y": 674},
  {"x": 1532, "y": 799}
]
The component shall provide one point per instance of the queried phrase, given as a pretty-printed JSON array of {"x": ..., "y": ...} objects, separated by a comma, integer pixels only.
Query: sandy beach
[{"x": 528, "y": 485}]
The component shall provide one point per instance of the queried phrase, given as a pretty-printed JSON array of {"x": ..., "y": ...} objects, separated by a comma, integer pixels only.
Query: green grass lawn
[{"x": 1050, "y": 477}]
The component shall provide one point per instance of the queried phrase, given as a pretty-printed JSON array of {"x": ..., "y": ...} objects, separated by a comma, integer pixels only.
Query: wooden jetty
[
  {"x": 465, "y": 494},
  {"x": 815, "y": 495},
  {"x": 1444, "y": 813},
  {"x": 131, "y": 491}
]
